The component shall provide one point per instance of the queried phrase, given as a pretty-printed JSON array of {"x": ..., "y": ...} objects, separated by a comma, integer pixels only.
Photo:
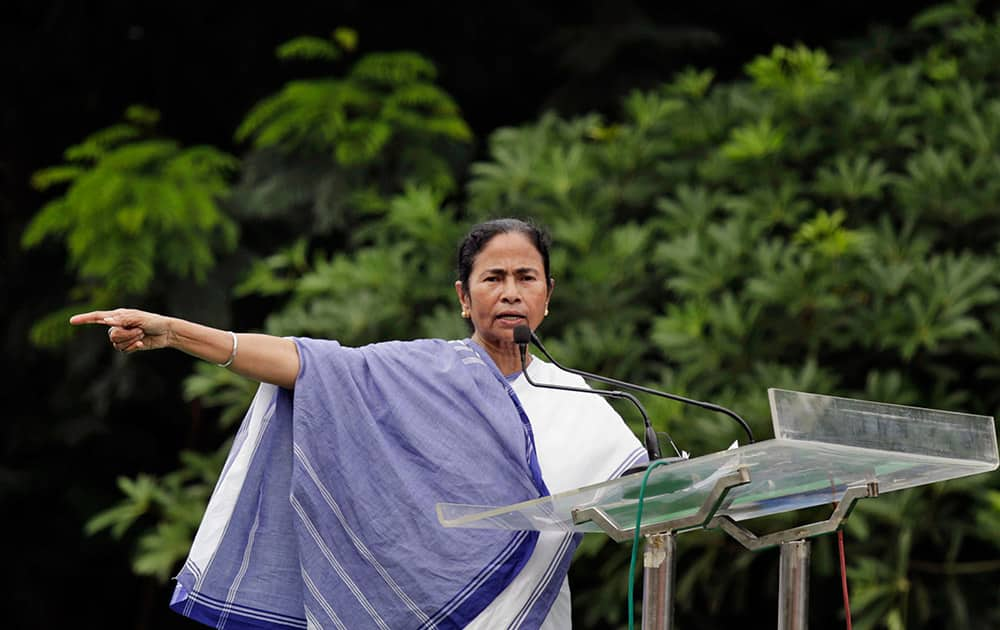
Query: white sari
[{"x": 580, "y": 440}]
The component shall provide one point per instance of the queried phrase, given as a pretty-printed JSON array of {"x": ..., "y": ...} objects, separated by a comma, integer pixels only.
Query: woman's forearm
[{"x": 263, "y": 358}]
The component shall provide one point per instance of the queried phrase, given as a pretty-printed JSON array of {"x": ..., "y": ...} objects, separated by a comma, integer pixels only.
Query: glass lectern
[{"x": 826, "y": 450}]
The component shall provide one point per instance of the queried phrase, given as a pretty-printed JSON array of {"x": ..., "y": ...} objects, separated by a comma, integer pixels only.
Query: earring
[
  {"x": 546, "y": 311},
  {"x": 465, "y": 314}
]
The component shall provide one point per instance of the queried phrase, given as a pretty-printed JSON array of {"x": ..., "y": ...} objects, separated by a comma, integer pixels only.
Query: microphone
[
  {"x": 523, "y": 334},
  {"x": 527, "y": 333}
]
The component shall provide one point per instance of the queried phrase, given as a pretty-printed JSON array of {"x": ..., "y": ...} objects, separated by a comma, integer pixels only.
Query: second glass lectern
[{"x": 826, "y": 450}]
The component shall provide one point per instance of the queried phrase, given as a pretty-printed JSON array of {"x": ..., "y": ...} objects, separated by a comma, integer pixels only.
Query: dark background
[{"x": 70, "y": 68}]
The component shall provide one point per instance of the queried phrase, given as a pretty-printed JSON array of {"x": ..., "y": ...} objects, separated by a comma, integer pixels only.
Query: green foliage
[
  {"x": 215, "y": 388},
  {"x": 174, "y": 502},
  {"x": 852, "y": 180},
  {"x": 325, "y": 150},
  {"x": 276, "y": 274},
  {"x": 796, "y": 74},
  {"x": 356, "y": 117},
  {"x": 823, "y": 225},
  {"x": 308, "y": 48},
  {"x": 781, "y": 233},
  {"x": 387, "y": 288},
  {"x": 754, "y": 141},
  {"x": 692, "y": 82},
  {"x": 346, "y": 38},
  {"x": 135, "y": 207}
]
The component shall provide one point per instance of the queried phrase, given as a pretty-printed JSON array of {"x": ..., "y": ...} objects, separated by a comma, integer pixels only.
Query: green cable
[{"x": 635, "y": 542}]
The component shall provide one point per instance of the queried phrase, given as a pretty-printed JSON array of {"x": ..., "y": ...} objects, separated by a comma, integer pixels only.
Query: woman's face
[{"x": 507, "y": 288}]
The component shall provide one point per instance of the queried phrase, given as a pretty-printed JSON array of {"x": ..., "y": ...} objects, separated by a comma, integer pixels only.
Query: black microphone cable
[
  {"x": 651, "y": 439},
  {"x": 646, "y": 390}
]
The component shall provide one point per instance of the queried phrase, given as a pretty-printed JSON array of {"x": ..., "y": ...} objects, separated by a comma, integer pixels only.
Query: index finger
[{"x": 93, "y": 317}]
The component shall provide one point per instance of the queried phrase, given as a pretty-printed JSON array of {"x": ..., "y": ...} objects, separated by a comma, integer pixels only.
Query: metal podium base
[
  {"x": 659, "y": 555},
  {"x": 659, "y": 561},
  {"x": 793, "y": 577}
]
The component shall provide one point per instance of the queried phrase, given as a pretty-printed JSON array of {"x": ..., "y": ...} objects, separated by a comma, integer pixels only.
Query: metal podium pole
[
  {"x": 659, "y": 559},
  {"x": 793, "y": 586}
]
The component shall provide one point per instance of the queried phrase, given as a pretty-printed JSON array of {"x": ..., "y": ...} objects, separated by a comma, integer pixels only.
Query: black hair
[{"x": 483, "y": 233}]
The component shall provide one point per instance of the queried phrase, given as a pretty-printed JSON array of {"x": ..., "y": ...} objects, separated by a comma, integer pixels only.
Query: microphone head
[{"x": 522, "y": 335}]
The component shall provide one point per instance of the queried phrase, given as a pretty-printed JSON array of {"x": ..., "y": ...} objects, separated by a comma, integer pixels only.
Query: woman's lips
[{"x": 512, "y": 318}]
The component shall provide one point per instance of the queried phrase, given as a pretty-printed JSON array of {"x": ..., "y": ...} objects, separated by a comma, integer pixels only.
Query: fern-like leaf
[
  {"x": 308, "y": 48},
  {"x": 394, "y": 68}
]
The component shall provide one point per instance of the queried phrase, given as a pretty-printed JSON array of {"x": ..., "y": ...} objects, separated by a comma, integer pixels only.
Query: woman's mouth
[{"x": 510, "y": 317}]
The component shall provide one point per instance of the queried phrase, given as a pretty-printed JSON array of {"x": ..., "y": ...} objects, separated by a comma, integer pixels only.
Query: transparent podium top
[{"x": 822, "y": 446}]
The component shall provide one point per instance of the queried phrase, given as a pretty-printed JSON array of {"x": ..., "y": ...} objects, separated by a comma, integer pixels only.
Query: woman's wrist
[
  {"x": 232, "y": 353},
  {"x": 170, "y": 334}
]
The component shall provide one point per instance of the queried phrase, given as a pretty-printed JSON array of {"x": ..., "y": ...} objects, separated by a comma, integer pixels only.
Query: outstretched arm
[{"x": 263, "y": 358}]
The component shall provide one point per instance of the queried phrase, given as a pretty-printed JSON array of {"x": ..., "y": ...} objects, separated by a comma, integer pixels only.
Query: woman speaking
[{"x": 324, "y": 514}]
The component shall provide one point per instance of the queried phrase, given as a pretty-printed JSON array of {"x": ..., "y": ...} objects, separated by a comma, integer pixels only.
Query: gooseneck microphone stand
[
  {"x": 651, "y": 440},
  {"x": 646, "y": 390}
]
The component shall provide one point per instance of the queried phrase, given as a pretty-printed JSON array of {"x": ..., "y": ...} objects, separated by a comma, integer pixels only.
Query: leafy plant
[
  {"x": 174, "y": 502},
  {"x": 328, "y": 150},
  {"x": 785, "y": 234},
  {"x": 135, "y": 207}
]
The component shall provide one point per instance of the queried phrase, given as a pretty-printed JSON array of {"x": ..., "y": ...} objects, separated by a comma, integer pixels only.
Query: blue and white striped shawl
[{"x": 324, "y": 513}]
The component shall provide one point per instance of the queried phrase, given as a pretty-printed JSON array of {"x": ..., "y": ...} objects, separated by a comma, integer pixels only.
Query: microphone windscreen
[{"x": 522, "y": 335}]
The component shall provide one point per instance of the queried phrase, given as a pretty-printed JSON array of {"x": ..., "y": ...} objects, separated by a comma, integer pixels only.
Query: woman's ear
[{"x": 463, "y": 300}]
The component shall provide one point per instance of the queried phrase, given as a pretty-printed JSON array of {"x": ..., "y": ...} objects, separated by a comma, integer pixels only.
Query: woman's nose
[{"x": 510, "y": 291}]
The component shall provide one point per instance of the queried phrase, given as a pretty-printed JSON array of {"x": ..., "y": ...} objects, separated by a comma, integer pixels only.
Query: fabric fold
[{"x": 325, "y": 509}]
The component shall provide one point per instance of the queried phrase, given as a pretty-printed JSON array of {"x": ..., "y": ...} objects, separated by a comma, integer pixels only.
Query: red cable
[{"x": 843, "y": 577}]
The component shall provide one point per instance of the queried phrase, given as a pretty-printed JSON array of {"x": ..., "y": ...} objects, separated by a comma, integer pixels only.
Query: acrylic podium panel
[{"x": 822, "y": 446}]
